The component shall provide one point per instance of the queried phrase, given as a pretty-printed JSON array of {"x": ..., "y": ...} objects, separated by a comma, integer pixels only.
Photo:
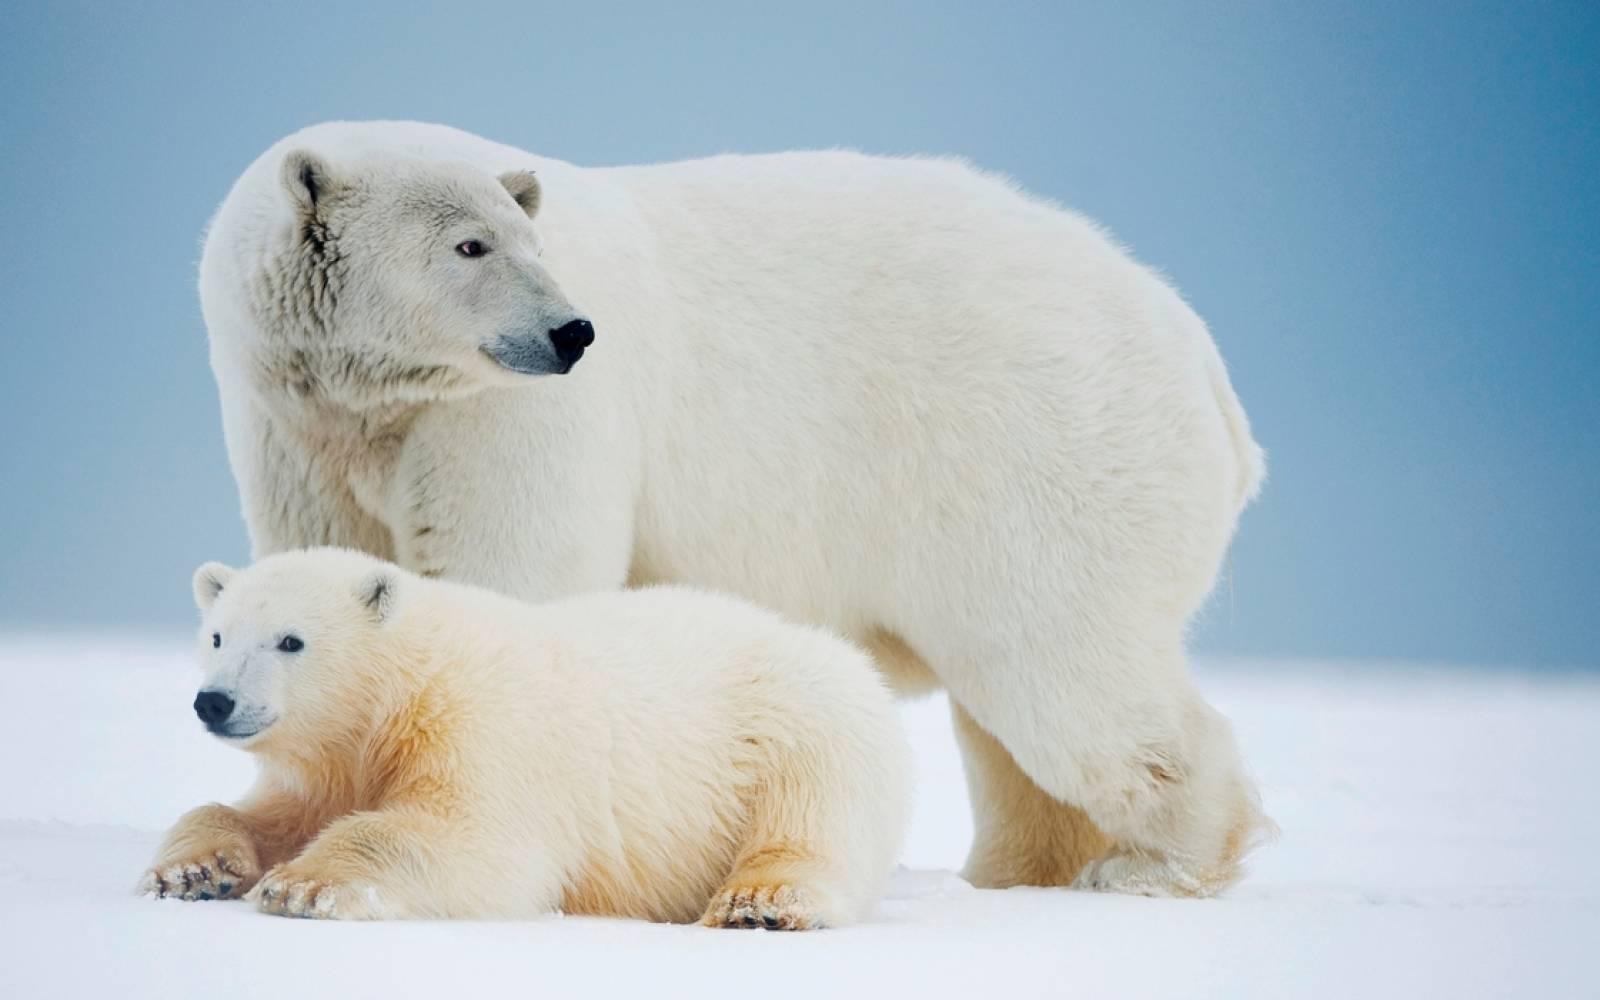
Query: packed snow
[{"x": 1440, "y": 838}]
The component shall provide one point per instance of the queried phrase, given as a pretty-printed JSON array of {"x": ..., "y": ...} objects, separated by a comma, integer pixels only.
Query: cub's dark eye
[
  {"x": 216, "y": 640},
  {"x": 290, "y": 644},
  {"x": 471, "y": 248}
]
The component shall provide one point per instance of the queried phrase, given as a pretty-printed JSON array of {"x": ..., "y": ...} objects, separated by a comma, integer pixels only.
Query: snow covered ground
[{"x": 1440, "y": 836}]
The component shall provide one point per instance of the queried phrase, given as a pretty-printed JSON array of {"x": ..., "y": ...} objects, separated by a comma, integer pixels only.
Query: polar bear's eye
[
  {"x": 290, "y": 644},
  {"x": 216, "y": 640},
  {"x": 471, "y": 248}
]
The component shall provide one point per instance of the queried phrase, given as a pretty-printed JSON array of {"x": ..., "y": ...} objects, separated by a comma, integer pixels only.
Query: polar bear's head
[
  {"x": 408, "y": 279},
  {"x": 289, "y": 647}
]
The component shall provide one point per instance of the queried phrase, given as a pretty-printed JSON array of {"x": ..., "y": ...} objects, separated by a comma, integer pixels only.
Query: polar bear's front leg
[
  {"x": 209, "y": 854},
  {"x": 532, "y": 502},
  {"x": 354, "y": 870},
  {"x": 404, "y": 863},
  {"x": 291, "y": 500},
  {"x": 218, "y": 851}
]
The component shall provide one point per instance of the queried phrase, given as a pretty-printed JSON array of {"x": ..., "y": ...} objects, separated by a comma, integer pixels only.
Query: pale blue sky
[{"x": 1388, "y": 213}]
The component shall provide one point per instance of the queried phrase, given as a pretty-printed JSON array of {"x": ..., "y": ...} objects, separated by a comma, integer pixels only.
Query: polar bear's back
[{"x": 862, "y": 347}]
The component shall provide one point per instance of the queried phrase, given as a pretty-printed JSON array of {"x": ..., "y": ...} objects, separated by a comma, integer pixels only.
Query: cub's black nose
[
  {"x": 569, "y": 340},
  {"x": 213, "y": 707}
]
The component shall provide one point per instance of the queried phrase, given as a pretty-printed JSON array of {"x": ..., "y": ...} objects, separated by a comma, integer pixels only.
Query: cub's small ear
[
  {"x": 209, "y": 580},
  {"x": 376, "y": 593},
  {"x": 307, "y": 178},
  {"x": 524, "y": 189}
]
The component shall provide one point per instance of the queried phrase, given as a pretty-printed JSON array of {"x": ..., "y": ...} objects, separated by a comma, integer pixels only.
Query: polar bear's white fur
[
  {"x": 431, "y": 749},
  {"x": 892, "y": 396}
]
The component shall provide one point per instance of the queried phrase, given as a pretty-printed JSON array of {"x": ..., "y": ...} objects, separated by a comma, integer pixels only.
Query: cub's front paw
[
  {"x": 774, "y": 907},
  {"x": 225, "y": 873},
  {"x": 286, "y": 891}
]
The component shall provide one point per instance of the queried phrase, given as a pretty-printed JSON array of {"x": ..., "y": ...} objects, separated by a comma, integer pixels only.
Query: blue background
[{"x": 1388, "y": 212}]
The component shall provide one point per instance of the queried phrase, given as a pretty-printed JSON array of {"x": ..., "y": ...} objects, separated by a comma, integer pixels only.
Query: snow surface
[{"x": 1440, "y": 831}]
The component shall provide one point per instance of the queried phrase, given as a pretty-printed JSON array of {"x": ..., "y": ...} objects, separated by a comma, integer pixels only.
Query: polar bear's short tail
[{"x": 1252, "y": 461}]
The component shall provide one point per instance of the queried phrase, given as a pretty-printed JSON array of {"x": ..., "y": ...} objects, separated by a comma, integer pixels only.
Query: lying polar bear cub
[{"x": 431, "y": 749}]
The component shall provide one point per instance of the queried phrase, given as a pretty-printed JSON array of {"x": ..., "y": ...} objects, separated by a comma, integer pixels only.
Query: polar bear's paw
[
  {"x": 221, "y": 874},
  {"x": 287, "y": 892},
  {"x": 1143, "y": 875},
  {"x": 775, "y": 907}
]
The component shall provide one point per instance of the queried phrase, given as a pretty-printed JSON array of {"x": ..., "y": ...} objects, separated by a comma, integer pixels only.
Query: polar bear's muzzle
[
  {"x": 217, "y": 709},
  {"x": 552, "y": 353}
]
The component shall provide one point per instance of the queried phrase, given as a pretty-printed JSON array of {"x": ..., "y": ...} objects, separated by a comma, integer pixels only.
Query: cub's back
[{"x": 690, "y": 703}]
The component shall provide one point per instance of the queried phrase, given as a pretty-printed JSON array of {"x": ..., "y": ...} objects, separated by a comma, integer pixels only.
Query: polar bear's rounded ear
[
  {"x": 376, "y": 593},
  {"x": 209, "y": 580},
  {"x": 523, "y": 187},
  {"x": 306, "y": 177}
]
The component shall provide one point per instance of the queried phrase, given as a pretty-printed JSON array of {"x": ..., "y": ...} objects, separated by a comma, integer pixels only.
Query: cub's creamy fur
[
  {"x": 896, "y": 397},
  {"x": 431, "y": 749}
]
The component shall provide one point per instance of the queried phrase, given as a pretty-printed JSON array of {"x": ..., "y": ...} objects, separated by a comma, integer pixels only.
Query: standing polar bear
[
  {"x": 430, "y": 749},
  {"x": 896, "y": 397}
]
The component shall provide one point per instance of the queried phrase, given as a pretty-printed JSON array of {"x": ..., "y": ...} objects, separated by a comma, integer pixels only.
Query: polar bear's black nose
[
  {"x": 213, "y": 707},
  {"x": 569, "y": 340}
]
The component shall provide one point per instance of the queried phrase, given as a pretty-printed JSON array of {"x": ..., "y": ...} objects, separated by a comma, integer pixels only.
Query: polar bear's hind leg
[
  {"x": 778, "y": 886},
  {"x": 824, "y": 819},
  {"x": 1021, "y": 836},
  {"x": 1085, "y": 740}
]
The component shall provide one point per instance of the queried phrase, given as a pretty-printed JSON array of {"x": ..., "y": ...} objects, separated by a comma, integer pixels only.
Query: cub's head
[
  {"x": 410, "y": 279},
  {"x": 286, "y": 646}
]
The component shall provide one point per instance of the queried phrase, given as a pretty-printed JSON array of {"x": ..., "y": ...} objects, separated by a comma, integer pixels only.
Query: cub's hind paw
[{"x": 773, "y": 907}]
